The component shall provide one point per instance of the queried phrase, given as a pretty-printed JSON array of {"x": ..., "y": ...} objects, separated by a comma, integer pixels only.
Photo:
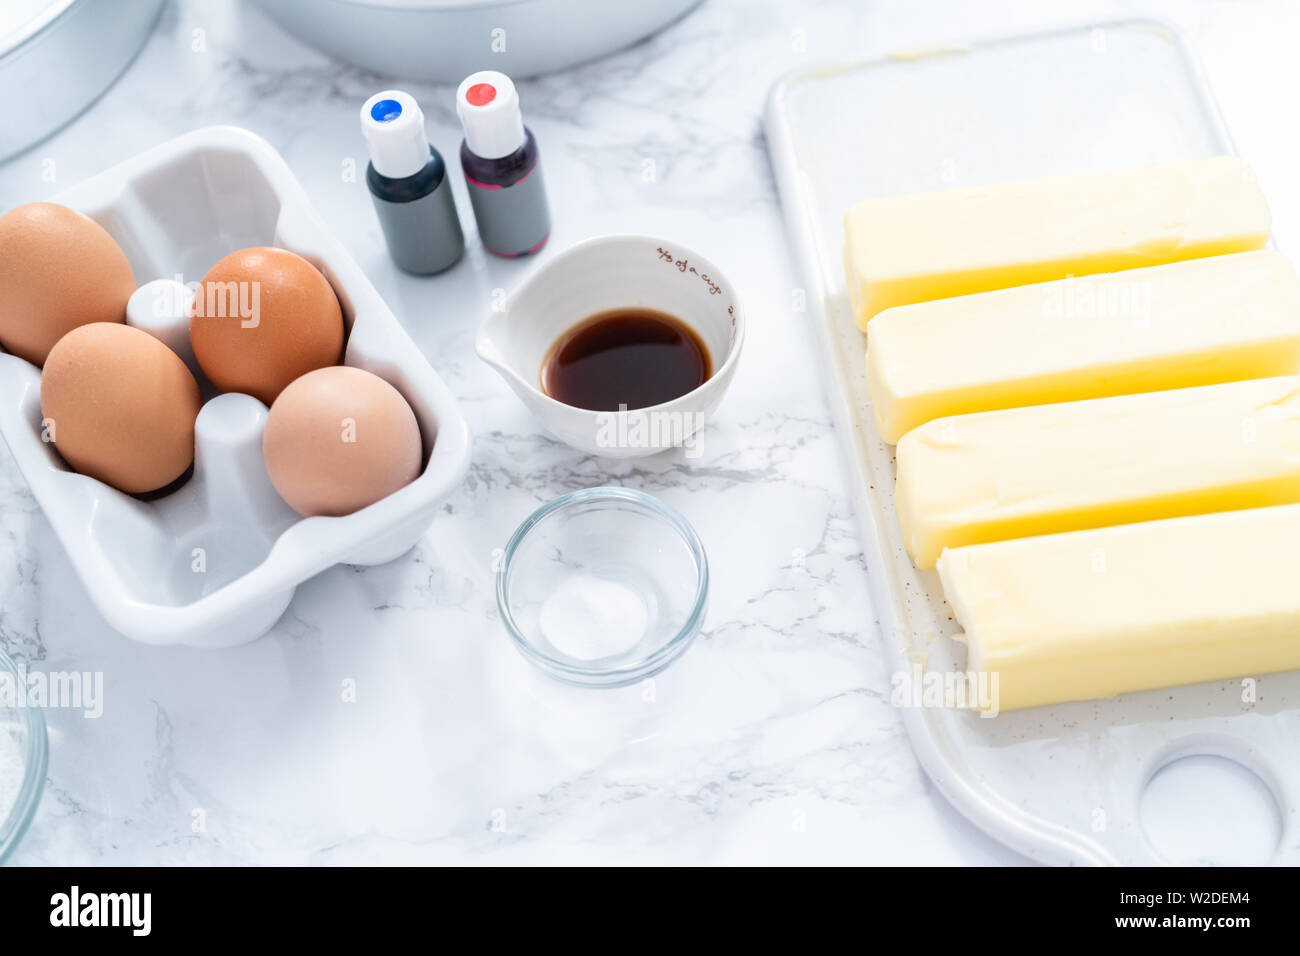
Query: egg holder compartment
[{"x": 216, "y": 562}]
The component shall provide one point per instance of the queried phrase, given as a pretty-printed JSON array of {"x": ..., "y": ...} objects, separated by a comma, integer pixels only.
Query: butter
[
  {"x": 1103, "y": 612},
  {"x": 1019, "y": 472},
  {"x": 1216, "y": 319},
  {"x": 927, "y": 246}
]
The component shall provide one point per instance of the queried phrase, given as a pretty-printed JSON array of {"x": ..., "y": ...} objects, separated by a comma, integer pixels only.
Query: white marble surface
[{"x": 773, "y": 739}]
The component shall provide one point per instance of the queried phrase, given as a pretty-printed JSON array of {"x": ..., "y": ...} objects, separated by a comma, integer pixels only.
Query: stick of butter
[
  {"x": 956, "y": 241},
  {"x": 1217, "y": 319},
  {"x": 1097, "y": 613},
  {"x": 1019, "y": 472}
]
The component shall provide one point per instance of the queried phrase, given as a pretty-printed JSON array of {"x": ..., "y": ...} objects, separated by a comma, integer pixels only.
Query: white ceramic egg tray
[
  {"x": 216, "y": 562},
  {"x": 1065, "y": 783}
]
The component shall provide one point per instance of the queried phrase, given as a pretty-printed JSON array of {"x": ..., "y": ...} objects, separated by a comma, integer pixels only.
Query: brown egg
[
  {"x": 339, "y": 439},
  {"x": 58, "y": 270},
  {"x": 261, "y": 318},
  {"x": 120, "y": 406}
]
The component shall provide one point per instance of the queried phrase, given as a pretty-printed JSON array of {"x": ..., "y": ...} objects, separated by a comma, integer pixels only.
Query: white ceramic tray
[
  {"x": 216, "y": 562},
  {"x": 1061, "y": 784}
]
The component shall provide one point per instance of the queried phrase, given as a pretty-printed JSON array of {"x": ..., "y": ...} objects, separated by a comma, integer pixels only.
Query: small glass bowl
[
  {"x": 603, "y": 587},
  {"x": 24, "y": 755}
]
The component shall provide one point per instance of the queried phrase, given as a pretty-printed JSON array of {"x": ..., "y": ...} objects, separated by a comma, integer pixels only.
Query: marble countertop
[{"x": 773, "y": 739}]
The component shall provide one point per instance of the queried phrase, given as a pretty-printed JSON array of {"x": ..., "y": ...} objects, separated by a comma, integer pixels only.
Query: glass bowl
[
  {"x": 603, "y": 587},
  {"x": 24, "y": 754}
]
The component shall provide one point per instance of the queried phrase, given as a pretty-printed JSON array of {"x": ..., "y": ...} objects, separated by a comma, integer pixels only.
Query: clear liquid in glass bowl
[{"x": 603, "y": 587}]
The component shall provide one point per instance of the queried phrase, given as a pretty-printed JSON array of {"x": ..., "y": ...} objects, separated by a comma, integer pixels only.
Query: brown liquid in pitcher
[{"x": 625, "y": 357}]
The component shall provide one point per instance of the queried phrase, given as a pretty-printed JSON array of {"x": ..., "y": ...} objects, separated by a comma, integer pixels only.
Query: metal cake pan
[{"x": 58, "y": 56}]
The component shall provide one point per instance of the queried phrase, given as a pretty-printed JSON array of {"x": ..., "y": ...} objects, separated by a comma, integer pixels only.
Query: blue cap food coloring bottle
[
  {"x": 408, "y": 183},
  {"x": 501, "y": 164}
]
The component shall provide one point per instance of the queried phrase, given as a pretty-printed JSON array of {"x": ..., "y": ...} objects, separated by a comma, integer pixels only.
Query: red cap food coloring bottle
[{"x": 500, "y": 160}]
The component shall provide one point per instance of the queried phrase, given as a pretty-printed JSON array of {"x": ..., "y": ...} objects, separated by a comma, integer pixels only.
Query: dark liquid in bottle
[{"x": 625, "y": 357}]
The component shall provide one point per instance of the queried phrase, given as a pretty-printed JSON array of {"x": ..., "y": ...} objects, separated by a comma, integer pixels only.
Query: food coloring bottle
[
  {"x": 500, "y": 161},
  {"x": 408, "y": 183}
]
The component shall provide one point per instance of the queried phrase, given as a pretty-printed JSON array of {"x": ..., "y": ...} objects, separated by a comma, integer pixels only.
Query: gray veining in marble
[{"x": 771, "y": 741}]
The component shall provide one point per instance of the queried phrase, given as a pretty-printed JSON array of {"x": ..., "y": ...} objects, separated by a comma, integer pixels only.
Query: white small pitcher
[{"x": 599, "y": 275}]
